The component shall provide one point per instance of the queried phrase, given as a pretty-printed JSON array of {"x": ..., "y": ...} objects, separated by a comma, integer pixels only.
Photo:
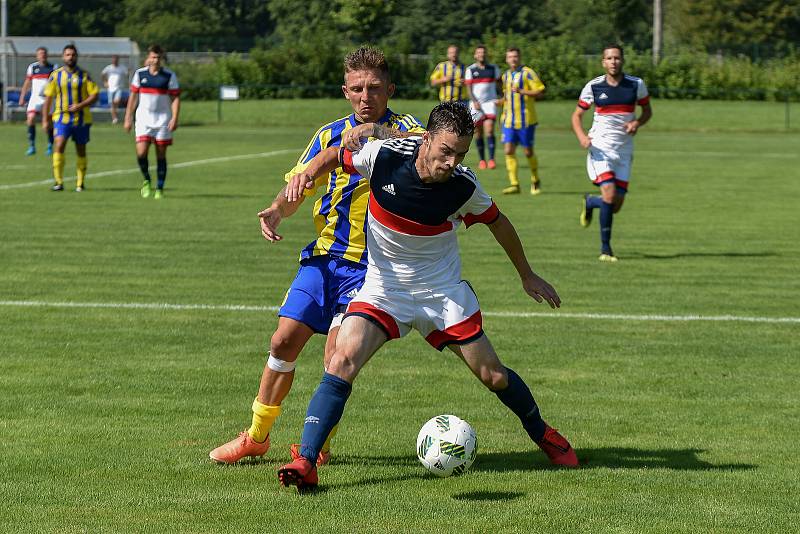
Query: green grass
[{"x": 108, "y": 414}]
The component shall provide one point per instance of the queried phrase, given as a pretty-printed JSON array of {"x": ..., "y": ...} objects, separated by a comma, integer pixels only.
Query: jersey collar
[{"x": 383, "y": 120}]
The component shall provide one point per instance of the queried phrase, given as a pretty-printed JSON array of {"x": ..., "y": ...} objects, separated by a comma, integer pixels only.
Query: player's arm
[
  {"x": 535, "y": 286},
  {"x": 24, "y": 91},
  {"x": 633, "y": 126},
  {"x": 577, "y": 127},
  {"x": 47, "y": 119},
  {"x": 176, "y": 110},
  {"x": 438, "y": 77},
  {"x": 271, "y": 217},
  {"x": 351, "y": 139},
  {"x": 325, "y": 162},
  {"x": 133, "y": 100},
  {"x": 91, "y": 97}
]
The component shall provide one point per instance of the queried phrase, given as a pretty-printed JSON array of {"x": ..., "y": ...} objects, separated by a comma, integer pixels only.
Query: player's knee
[
  {"x": 285, "y": 346},
  {"x": 494, "y": 378},
  {"x": 343, "y": 364}
]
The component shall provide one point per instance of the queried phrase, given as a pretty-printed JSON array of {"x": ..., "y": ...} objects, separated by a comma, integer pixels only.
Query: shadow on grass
[
  {"x": 643, "y": 256},
  {"x": 488, "y": 496}
]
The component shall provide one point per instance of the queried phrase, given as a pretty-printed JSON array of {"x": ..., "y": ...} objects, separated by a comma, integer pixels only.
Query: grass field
[{"x": 686, "y": 422}]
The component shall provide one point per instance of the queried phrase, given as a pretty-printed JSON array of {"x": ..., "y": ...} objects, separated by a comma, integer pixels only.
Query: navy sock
[
  {"x": 481, "y": 151},
  {"x": 161, "y": 172},
  {"x": 490, "y": 141},
  {"x": 32, "y": 135},
  {"x": 145, "y": 167},
  {"x": 594, "y": 202},
  {"x": 324, "y": 411},
  {"x": 606, "y": 219},
  {"x": 517, "y": 396},
  {"x": 50, "y": 136}
]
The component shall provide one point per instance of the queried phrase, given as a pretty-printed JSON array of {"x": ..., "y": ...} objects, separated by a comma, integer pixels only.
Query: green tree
[{"x": 171, "y": 23}]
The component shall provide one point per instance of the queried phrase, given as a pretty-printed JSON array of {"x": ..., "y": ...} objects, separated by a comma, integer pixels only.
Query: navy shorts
[
  {"x": 79, "y": 133},
  {"x": 323, "y": 287},
  {"x": 520, "y": 136}
]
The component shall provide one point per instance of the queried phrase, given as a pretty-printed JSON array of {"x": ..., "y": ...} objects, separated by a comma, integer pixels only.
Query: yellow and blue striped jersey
[
  {"x": 340, "y": 215},
  {"x": 455, "y": 88},
  {"x": 68, "y": 88},
  {"x": 520, "y": 111}
]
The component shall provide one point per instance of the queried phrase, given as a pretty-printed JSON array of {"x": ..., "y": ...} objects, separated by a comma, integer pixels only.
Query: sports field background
[{"x": 684, "y": 425}]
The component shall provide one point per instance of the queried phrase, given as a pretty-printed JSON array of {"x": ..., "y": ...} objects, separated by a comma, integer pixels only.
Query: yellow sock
[
  {"x": 58, "y": 167},
  {"x": 511, "y": 167},
  {"x": 533, "y": 161},
  {"x": 263, "y": 418},
  {"x": 327, "y": 445},
  {"x": 81, "y": 170}
]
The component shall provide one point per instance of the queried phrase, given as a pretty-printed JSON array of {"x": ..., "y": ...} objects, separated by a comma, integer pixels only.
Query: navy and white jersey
[
  {"x": 411, "y": 227},
  {"x": 614, "y": 105},
  {"x": 482, "y": 81},
  {"x": 38, "y": 75},
  {"x": 155, "y": 92}
]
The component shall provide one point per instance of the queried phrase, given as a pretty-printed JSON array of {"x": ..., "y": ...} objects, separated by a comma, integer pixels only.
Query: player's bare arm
[
  {"x": 22, "y": 92},
  {"x": 176, "y": 110},
  {"x": 577, "y": 127},
  {"x": 535, "y": 286},
  {"x": 440, "y": 81},
  {"x": 133, "y": 99},
  {"x": 323, "y": 163},
  {"x": 633, "y": 126},
  {"x": 88, "y": 101},
  {"x": 351, "y": 139},
  {"x": 47, "y": 120},
  {"x": 271, "y": 217}
]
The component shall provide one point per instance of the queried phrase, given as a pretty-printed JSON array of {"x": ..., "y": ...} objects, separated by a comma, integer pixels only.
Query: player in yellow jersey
[
  {"x": 73, "y": 91},
  {"x": 449, "y": 76},
  {"x": 521, "y": 88},
  {"x": 332, "y": 267}
]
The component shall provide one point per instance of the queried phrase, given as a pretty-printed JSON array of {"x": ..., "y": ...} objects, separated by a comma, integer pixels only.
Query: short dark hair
[
  {"x": 481, "y": 46},
  {"x": 513, "y": 49},
  {"x": 42, "y": 48},
  {"x": 155, "y": 49},
  {"x": 451, "y": 117},
  {"x": 68, "y": 47},
  {"x": 366, "y": 58},
  {"x": 610, "y": 46}
]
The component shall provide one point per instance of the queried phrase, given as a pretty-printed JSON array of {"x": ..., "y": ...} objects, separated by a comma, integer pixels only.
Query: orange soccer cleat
[
  {"x": 557, "y": 448},
  {"x": 239, "y": 447},
  {"x": 482, "y": 164},
  {"x": 299, "y": 473},
  {"x": 323, "y": 458},
  {"x": 492, "y": 164}
]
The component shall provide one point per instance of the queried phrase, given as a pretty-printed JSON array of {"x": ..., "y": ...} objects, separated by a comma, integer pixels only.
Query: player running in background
[
  {"x": 521, "y": 87},
  {"x": 72, "y": 91},
  {"x": 155, "y": 89},
  {"x": 115, "y": 76},
  {"x": 419, "y": 195},
  {"x": 36, "y": 78},
  {"x": 610, "y": 141},
  {"x": 332, "y": 267},
  {"x": 449, "y": 77},
  {"x": 482, "y": 80}
]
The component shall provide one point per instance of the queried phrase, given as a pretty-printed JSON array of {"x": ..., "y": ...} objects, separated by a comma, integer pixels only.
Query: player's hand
[
  {"x": 540, "y": 290},
  {"x": 476, "y": 105},
  {"x": 586, "y": 141},
  {"x": 632, "y": 127},
  {"x": 270, "y": 218},
  {"x": 127, "y": 124},
  {"x": 46, "y": 123},
  {"x": 351, "y": 139},
  {"x": 515, "y": 89},
  {"x": 73, "y": 108},
  {"x": 499, "y": 102},
  {"x": 297, "y": 185},
  {"x": 21, "y": 101},
  {"x": 173, "y": 124}
]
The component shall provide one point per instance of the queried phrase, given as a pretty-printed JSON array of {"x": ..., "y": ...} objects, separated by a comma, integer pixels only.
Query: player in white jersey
[
  {"x": 115, "y": 76},
  {"x": 36, "y": 77},
  {"x": 482, "y": 80},
  {"x": 419, "y": 196},
  {"x": 155, "y": 89},
  {"x": 610, "y": 140}
]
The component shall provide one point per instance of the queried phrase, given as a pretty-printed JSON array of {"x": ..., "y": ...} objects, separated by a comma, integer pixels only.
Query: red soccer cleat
[
  {"x": 557, "y": 448},
  {"x": 492, "y": 164},
  {"x": 238, "y": 448},
  {"x": 299, "y": 473},
  {"x": 481, "y": 164},
  {"x": 323, "y": 458}
]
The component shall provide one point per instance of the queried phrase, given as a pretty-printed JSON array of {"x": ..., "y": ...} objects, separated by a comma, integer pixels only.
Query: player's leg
[
  {"x": 608, "y": 191},
  {"x": 30, "y": 121},
  {"x": 62, "y": 132},
  {"x": 511, "y": 389},
  {"x": 161, "y": 165},
  {"x": 142, "y": 150},
  {"x": 529, "y": 140},
  {"x": 114, "y": 101},
  {"x": 478, "y": 137},
  {"x": 510, "y": 148},
  {"x": 80, "y": 136},
  {"x": 358, "y": 339},
  {"x": 488, "y": 133}
]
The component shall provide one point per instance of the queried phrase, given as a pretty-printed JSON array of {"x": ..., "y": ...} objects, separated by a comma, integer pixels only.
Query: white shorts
[
  {"x": 35, "y": 105},
  {"x": 114, "y": 95},
  {"x": 604, "y": 166},
  {"x": 443, "y": 316},
  {"x": 158, "y": 135},
  {"x": 488, "y": 110}
]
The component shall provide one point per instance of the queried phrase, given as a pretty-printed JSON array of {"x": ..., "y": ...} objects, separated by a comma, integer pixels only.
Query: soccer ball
[{"x": 447, "y": 445}]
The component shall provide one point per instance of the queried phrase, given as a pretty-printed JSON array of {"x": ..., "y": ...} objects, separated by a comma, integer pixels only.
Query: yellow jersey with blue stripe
[
  {"x": 455, "y": 88},
  {"x": 519, "y": 111},
  {"x": 67, "y": 88},
  {"x": 340, "y": 215}
]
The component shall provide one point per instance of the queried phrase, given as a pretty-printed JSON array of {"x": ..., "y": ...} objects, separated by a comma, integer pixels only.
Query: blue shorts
[
  {"x": 522, "y": 136},
  {"x": 79, "y": 134},
  {"x": 323, "y": 287}
]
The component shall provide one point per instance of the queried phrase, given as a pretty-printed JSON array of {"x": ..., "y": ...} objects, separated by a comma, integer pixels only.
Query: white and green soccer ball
[{"x": 447, "y": 445}]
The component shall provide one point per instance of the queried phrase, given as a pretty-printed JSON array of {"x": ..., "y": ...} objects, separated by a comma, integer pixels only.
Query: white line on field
[
  {"x": 173, "y": 165},
  {"x": 543, "y": 315}
]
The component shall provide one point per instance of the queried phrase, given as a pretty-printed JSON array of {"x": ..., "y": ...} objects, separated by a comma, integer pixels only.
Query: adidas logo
[
  {"x": 312, "y": 419},
  {"x": 389, "y": 188},
  {"x": 352, "y": 293},
  {"x": 602, "y": 96}
]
